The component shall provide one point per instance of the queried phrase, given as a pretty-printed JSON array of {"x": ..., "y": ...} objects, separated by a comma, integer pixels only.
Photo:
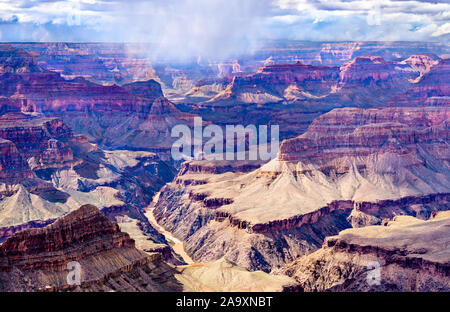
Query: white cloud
[
  {"x": 393, "y": 19},
  {"x": 223, "y": 27},
  {"x": 442, "y": 30}
]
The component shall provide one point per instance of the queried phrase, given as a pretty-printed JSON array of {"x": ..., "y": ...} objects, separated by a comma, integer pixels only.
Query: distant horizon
[{"x": 267, "y": 40}]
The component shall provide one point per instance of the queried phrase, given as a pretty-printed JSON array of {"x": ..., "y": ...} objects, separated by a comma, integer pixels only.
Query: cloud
[
  {"x": 442, "y": 30},
  {"x": 181, "y": 29},
  {"x": 186, "y": 29},
  {"x": 365, "y": 19}
]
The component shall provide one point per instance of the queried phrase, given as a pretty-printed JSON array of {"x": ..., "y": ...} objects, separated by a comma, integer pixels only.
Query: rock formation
[
  {"x": 405, "y": 254},
  {"x": 353, "y": 167},
  {"x": 432, "y": 88},
  {"x": 292, "y": 95},
  {"x": 104, "y": 63},
  {"x": 37, "y": 259},
  {"x": 46, "y": 171},
  {"x": 136, "y": 116},
  {"x": 365, "y": 129},
  {"x": 14, "y": 60}
]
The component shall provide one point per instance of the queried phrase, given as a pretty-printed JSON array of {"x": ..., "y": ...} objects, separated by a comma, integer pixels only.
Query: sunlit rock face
[
  {"x": 328, "y": 75},
  {"x": 37, "y": 259},
  {"x": 338, "y": 53},
  {"x": 406, "y": 254},
  {"x": 353, "y": 167},
  {"x": 350, "y": 84}
]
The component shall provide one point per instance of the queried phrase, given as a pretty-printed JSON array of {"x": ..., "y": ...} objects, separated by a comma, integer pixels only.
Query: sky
[{"x": 202, "y": 27}]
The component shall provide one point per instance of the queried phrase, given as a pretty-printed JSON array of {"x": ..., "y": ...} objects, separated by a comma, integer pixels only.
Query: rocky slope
[
  {"x": 136, "y": 116},
  {"x": 37, "y": 259},
  {"x": 108, "y": 63},
  {"x": 348, "y": 85},
  {"x": 431, "y": 88},
  {"x": 14, "y": 60},
  {"x": 292, "y": 95},
  {"x": 12, "y": 165},
  {"x": 405, "y": 254},
  {"x": 47, "y": 171},
  {"x": 104, "y": 63},
  {"x": 224, "y": 276},
  {"x": 353, "y": 167}
]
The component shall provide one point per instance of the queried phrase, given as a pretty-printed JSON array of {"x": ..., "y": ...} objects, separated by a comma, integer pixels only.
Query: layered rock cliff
[
  {"x": 292, "y": 95},
  {"x": 104, "y": 63},
  {"x": 224, "y": 276},
  {"x": 37, "y": 259},
  {"x": 46, "y": 172},
  {"x": 353, "y": 167},
  {"x": 431, "y": 88},
  {"x": 12, "y": 165},
  {"x": 14, "y": 60},
  {"x": 406, "y": 254},
  {"x": 136, "y": 116}
]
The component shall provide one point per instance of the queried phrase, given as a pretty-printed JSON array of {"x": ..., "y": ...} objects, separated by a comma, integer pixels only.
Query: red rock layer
[
  {"x": 368, "y": 69},
  {"x": 12, "y": 165},
  {"x": 356, "y": 132},
  {"x": 36, "y": 259},
  {"x": 433, "y": 88},
  {"x": 34, "y": 136},
  {"x": 39, "y": 141},
  {"x": 296, "y": 73},
  {"x": 383, "y": 209},
  {"x": 101, "y": 62},
  {"x": 48, "y": 92},
  {"x": 77, "y": 235},
  {"x": 14, "y": 60}
]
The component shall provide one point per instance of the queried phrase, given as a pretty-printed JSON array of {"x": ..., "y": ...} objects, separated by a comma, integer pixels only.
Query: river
[{"x": 176, "y": 244}]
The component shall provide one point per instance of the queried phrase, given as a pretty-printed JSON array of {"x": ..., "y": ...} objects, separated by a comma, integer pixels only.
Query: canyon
[
  {"x": 36, "y": 259},
  {"x": 47, "y": 171},
  {"x": 133, "y": 116},
  {"x": 362, "y": 173},
  {"x": 346, "y": 261},
  {"x": 352, "y": 167}
]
